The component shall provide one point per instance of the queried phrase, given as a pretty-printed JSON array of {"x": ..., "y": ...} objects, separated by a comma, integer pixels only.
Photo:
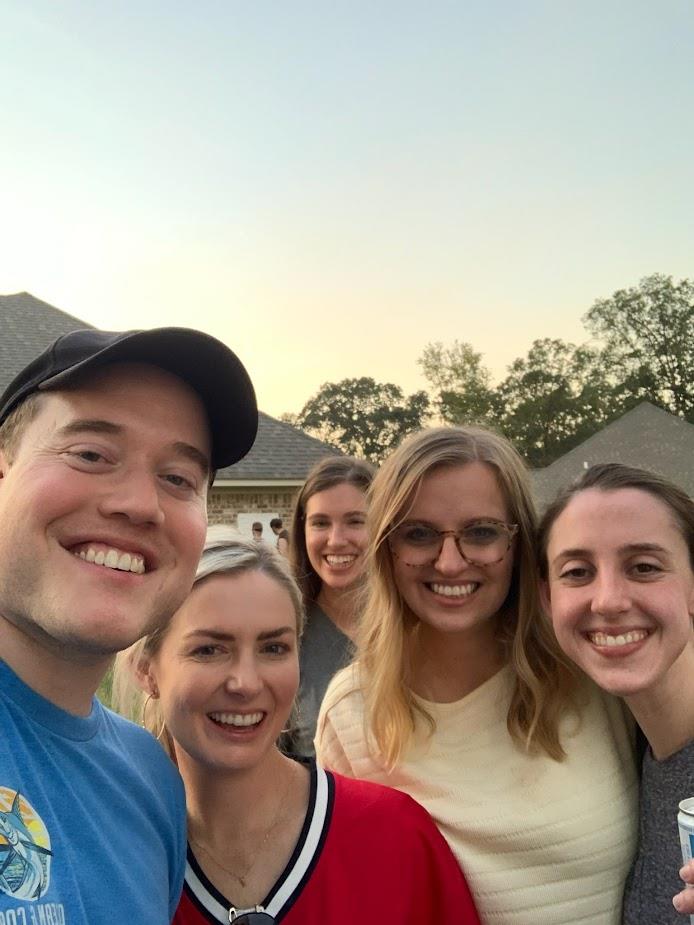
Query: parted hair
[
  {"x": 545, "y": 681},
  {"x": 225, "y": 553},
  {"x": 327, "y": 473},
  {"x": 613, "y": 477}
]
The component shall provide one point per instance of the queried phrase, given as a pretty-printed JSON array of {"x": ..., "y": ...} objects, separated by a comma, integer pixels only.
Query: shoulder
[
  {"x": 344, "y": 695},
  {"x": 139, "y": 749},
  {"x": 378, "y": 800},
  {"x": 387, "y": 820},
  {"x": 342, "y": 709}
]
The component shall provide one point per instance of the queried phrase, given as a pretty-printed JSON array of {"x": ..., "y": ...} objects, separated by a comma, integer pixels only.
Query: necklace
[{"x": 281, "y": 813}]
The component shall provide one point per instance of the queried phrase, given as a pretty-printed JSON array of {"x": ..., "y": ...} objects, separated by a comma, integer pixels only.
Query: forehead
[
  {"x": 469, "y": 490},
  {"x": 133, "y": 395},
  {"x": 239, "y": 603},
  {"x": 337, "y": 499},
  {"x": 595, "y": 519}
]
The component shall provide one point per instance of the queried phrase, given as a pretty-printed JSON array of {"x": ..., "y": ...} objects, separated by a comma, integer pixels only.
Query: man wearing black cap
[{"x": 107, "y": 446}]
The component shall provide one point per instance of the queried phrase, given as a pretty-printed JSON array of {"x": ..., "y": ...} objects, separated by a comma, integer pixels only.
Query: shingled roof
[
  {"x": 28, "y": 326},
  {"x": 281, "y": 453},
  {"x": 646, "y": 436}
]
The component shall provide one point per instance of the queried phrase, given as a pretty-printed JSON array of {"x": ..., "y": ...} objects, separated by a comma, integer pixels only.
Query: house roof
[
  {"x": 28, "y": 326},
  {"x": 646, "y": 436},
  {"x": 280, "y": 452}
]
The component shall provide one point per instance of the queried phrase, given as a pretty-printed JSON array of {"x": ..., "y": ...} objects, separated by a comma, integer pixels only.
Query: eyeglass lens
[{"x": 482, "y": 542}]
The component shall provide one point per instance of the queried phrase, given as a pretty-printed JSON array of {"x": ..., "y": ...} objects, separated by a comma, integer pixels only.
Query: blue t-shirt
[{"x": 92, "y": 816}]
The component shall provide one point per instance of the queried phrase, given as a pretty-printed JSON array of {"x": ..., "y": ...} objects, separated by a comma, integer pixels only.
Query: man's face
[{"x": 103, "y": 512}]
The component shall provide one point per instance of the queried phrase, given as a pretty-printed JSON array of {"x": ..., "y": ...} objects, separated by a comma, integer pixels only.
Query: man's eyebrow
[
  {"x": 99, "y": 426},
  {"x": 194, "y": 455},
  {"x": 84, "y": 425}
]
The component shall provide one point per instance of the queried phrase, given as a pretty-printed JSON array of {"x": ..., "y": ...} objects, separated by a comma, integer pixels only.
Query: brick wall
[{"x": 223, "y": 504}]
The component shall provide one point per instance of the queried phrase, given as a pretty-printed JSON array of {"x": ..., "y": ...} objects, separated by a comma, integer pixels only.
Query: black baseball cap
[{"x": 207, "y": 365}]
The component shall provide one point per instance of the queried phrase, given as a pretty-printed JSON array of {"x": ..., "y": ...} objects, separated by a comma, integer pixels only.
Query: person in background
[
  {"x": 328, "y": 548},
  {"x": 270, "y": 838},
  {"x": 108, "y": 442},
  {"x": 460, "y": 696},
  {"x": 281, "y": 534},
  {"x": 257, "y": 531},
  {"x": 617, "y": 563}
]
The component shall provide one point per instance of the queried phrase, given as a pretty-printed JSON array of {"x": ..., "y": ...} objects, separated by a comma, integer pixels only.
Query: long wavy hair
[
  {"x": 327, "y": 473},
  {"x": 544, "y": 680},
  {"x": 225, "y": 553}
]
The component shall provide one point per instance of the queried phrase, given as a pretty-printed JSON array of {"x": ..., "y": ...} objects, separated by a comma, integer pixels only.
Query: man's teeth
[
  {"x": 623, "y": 639},
  {"x": 453, "y": 590},
  {"x": 114, "y": 558},
  {"x": 339, "y": 560},
  {"x": 237, "y": 719}
]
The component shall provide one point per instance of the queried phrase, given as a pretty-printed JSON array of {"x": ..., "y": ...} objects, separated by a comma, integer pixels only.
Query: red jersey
[{"x": 367, "y": 854}]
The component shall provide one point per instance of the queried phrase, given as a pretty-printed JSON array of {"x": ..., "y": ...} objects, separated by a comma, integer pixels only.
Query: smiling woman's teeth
[
  {"x": 339, "y": 560},
  {"x": 623, "y": 639},
  {"x": 237, "y": 719},
  {"x": 113, "y": 558},
  {"x": 453, "y": 590}
]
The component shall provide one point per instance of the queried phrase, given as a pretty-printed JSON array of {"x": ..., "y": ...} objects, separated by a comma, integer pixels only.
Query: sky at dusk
[{"x": 327, "y": 187}]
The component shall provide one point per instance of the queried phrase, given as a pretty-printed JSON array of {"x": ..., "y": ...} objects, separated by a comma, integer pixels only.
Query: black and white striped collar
[{"x": 215, "y": 906}]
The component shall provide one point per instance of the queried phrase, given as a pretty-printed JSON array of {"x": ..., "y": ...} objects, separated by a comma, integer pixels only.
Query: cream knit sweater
[{"x": 541, "y": 842}]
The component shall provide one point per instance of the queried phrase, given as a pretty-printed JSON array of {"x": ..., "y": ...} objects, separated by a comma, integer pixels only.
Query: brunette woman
[
  {"x": 461, "y": 698},
  {"x": 617, "y": 559},
  {"x": 328, "y": 548}
]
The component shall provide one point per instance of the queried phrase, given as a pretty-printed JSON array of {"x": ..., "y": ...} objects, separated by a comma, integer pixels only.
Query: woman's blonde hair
[
  {"x": 225, "y": 553},
  {"x": 544, "y": 680}
]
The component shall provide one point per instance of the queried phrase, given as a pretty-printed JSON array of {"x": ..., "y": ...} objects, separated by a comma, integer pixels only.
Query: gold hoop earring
[{"x": 144, "y": 717}]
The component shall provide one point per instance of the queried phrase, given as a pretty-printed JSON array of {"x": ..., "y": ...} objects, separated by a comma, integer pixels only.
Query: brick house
[{"x": 260, "y": 487}]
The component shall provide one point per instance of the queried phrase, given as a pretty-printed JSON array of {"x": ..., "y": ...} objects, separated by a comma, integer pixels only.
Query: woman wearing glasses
[
  {"x": 460, "y": 696},
  {"x": 271, "y": 839}
]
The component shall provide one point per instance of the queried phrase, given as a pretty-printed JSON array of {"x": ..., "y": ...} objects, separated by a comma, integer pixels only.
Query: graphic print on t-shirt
[{"x": 25, "y": 848}]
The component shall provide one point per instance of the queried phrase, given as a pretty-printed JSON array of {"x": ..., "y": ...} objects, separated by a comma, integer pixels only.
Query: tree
[
  {"x": 363, "y": 417},
  {"x": 649, "y": 342},
  {"x": 461, "y": 383},
  {"x": 555, "y": 397}
]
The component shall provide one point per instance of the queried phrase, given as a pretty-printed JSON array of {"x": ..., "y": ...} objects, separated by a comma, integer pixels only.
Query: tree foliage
[
  {"x": 649, "y": 343},
  {"x": 554, "y": 398},
  {"x": 460, "y": 383},
  {"x": 363, "y": 417},
  {"x": 550, "y": 400}
]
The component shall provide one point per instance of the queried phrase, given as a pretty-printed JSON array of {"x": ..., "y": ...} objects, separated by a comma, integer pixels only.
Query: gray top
[
  {"x": 653, "y": 879},
  {"x": 324, "y": 651}
]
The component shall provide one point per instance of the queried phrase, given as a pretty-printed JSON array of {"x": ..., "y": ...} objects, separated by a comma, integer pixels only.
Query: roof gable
[{"x": 646, "y": 436}]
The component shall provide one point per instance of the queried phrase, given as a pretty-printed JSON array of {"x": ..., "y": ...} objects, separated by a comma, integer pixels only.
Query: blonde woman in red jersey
[{"x": 272, "y": 839}]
